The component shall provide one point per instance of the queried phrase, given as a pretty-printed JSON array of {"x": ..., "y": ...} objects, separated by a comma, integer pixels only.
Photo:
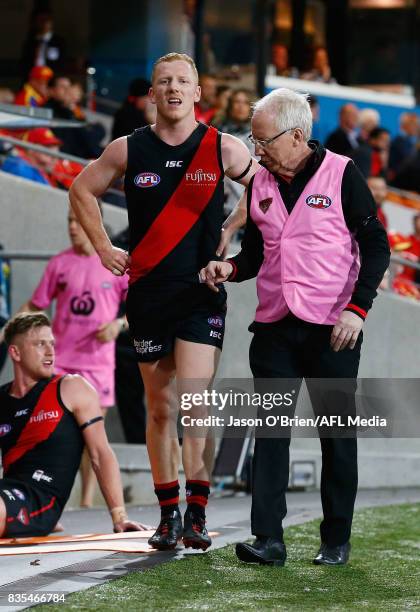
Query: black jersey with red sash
[
  {"x": 175, "y": 205},
  {"x": 40, "y": 440}
]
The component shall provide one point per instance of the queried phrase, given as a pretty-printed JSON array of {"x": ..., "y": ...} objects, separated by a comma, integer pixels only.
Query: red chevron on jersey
[
  {"x": 44, "y": 419},
  {"x": 182, "y": 211}
]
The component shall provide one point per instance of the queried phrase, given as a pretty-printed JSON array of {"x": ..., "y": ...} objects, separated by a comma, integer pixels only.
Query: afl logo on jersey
[
  {"x": 5, "y": 429},
  {"x": 318, "y": 201},
  {"x": 215, "y": 321},
  {"x": 147, "y": 179}
]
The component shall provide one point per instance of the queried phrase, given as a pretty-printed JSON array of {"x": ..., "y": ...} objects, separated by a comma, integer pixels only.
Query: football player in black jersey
[
  {"x": 46, "y": 420},
  {"x": 174, "y": 173}
]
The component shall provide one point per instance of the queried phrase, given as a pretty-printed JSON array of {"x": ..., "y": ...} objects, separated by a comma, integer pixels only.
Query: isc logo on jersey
[
  {"x": 318, "y": 201},
  {"x": 147, "y": 179},
  {"x": 40, "y": 475}
]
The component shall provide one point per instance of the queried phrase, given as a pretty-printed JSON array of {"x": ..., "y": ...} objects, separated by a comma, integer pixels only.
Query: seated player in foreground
[{"x": 46, "y": 420}]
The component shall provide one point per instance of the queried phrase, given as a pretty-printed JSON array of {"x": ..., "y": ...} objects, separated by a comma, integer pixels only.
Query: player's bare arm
[
  {"x": 91, "y": 183},
  {"x": 239, "y": 166},
  {"x": 83, "y": 401}
]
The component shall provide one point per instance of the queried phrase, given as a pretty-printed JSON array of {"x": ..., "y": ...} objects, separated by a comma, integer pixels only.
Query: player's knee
[
  {"x": 160, "y": 412},
  {"x": 3, "y": 516}
]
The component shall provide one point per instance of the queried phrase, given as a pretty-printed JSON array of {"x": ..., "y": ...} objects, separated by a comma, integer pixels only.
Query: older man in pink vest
[{"x": 318, "y": 251}]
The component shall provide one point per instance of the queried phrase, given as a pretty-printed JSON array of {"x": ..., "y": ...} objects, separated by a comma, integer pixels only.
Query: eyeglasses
[{"x": 267, "y": 141}]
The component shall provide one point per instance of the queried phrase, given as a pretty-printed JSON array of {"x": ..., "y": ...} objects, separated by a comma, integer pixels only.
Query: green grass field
[{"x": 383, "y": 574}]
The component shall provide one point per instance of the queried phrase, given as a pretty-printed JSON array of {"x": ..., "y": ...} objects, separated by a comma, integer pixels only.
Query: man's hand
[
  {"x": 346, "y": 331},
  {"x": 215, "y": 272},
  {"x": 108, "y": 332},
  {"x": 114, "y": 259},
  {"x": 128, "y": 525}
]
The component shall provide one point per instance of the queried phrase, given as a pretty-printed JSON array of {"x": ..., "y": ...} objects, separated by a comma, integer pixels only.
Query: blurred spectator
[
  {"x": 209, "y": 63},
  {"x": 75, "y": 97},
  {"x": 408, "y": 176},
  {"x": 379, "y": 189},
  {"x": 35, "y": 91},
  {"x": 223, "y": 93},
  {"x": 403, "y": 146},
  {"x": 132, "y": 114},
  {"x": 42, "y": 46},
  {"x": 369, "y": 119},
  {"x": 280, "y": 61},
  {"x": 39, "y": 166},
  {"x": 34, "y": 165},
  {"x": 79, "y": 141},
  {"x": 237, "y": 123},
  {"x": 372, "y": 156},
  {"x": 6, "y": 96},
  {"x": 407, "y": 282},
  {"x": 321, "y": 70},
  {"x": 59, "y": 97},
  {"x": 344, "y": 139},
  {"x": 205, "y": 109}
]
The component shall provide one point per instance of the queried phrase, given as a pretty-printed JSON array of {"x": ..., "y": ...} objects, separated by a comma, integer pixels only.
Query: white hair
[
  {"x": 288, "y": 108},
  {"x": 369, "y": 116}
]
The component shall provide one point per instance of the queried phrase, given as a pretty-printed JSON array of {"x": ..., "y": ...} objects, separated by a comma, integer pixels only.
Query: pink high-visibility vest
[{"x": 311, "y": 259}]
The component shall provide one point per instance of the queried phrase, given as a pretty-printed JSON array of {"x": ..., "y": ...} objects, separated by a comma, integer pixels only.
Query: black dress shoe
[
  {"x": 333, "y": 555},
  {"x": 266, "y": 551},
  {"x": 168, "y": 533}
]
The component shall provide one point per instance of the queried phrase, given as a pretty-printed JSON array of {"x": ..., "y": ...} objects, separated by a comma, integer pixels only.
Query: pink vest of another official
[{"x": 311, "y": 260}]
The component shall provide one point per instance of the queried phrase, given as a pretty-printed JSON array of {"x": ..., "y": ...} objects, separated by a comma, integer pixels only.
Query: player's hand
[
  {"x": 116, "y": 260},
  {"x": 225, "y": 239},
  {"x": 108, "y": 331},
  {"x": 127, "y": 525},
  {"x": 215, "y": 272},
  {"x": 346, "y": 331}
]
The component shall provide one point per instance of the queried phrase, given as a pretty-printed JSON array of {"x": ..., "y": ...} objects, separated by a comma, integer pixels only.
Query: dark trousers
[
  {"x": 129, "y": 391},
  {"x": 294, "y": 349}
]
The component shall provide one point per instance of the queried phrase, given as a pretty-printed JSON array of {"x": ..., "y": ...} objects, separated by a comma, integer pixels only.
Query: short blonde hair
[
  {"x": 23, "y": 322},
  {"x": 175, "y": 57}
]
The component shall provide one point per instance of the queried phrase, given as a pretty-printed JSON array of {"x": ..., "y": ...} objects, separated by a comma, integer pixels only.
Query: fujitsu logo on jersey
[
  {"x": 201, "y": 177},
  {"x": 44, "y": 415}
]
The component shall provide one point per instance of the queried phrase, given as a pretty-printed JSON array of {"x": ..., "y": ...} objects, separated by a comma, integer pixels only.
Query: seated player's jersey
[
  {"x": 175, "y": 205},
  {"x": 40, "y": 440}
]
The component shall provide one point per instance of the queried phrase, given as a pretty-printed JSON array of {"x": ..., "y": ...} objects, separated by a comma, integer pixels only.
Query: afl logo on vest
[
  {"x": 318, "y": 201},
  {"x": 147, "y": 179}
]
